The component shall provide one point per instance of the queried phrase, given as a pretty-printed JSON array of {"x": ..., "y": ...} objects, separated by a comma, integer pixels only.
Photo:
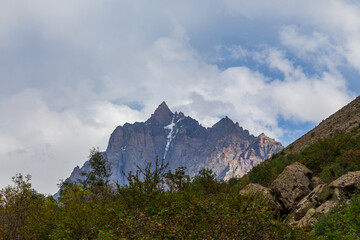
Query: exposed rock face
[
  {"x": 305, "y": 198},
  {"x": 292, "y": 185},
  {"x": 315, "y": 198},
  {"x": 313, "y": 215},
  {"x": 347, "y": 182},
  {"x": 226, "y": 148},
  {"x": 254, "y": 189},
  {"x": 318, "y": 202}
]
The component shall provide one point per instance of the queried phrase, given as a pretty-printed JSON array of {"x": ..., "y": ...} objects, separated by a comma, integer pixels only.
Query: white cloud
[
  {"x": 352, "y": 51},
  {"x": 336, "y": 23},
  {"x": 315, "y": 48},
  {"x": 258, "y": 102},
  {"x": 237, "y": 52},
  {"x": 301, "y": 43},
  {"x": 309, "y": 99},
  {"x": 333, "y": 15},
  {"x": 48, "y": 144}
]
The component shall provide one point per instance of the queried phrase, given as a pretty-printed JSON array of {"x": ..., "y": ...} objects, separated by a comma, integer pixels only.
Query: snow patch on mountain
[{"x": 172, "y": 133}]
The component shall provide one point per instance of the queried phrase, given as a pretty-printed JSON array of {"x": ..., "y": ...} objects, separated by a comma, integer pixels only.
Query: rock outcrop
[
  {"x": 254, "y": 188},
  {"x": 292, "y": 185},
  {"x": 348, "y": 182},
  {"x": 314, "y": 215},
  {"x": 257, "y": 189},
  {"x": 315, "y": 198},
  {"x": 306, "y": 204},
  {"x": 226, "y": 148}
]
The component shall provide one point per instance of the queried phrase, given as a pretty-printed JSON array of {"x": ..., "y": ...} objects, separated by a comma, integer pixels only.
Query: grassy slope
[{"x": 328, "y": 158}]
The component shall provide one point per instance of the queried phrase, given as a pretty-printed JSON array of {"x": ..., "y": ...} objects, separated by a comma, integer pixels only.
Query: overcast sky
[{"x": 73, "y": 70}]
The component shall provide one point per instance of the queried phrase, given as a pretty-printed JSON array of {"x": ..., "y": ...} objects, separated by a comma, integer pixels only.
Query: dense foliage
[
  {"x": 163, "y": 204},
  {"x": 327, "y": 158},
  {"x": 156, "y": 203},
  {"x": 100, "y": 170},
  {"x": 342, "y": 222}
]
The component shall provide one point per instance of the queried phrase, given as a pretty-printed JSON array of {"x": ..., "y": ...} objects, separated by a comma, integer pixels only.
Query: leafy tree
[
  {"x": 205, "y": 182},
  {"x": 177, "y": 180},
  {"x": 100, "y": 170},
  {"x": 82, "y": 213},
  {"x": 145, "y": 186},
  {"x": 16, "y": 202},
  {"x": 150, "y": 179},
  {"x": 193, "y": 208},
  {"x": 64, "y": 185}
]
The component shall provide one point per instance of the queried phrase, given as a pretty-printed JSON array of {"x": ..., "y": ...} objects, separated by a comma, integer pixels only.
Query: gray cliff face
[{"x": 226, "y": 148}]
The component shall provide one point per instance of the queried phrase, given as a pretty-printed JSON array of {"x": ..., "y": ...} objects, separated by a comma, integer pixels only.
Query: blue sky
[{"x": 71, "y": 71}]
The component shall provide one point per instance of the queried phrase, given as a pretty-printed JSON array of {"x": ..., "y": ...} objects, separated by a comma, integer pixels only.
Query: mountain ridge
[
  {"x": 226, "y": 148},
  {"x": 346, "y": 120}
]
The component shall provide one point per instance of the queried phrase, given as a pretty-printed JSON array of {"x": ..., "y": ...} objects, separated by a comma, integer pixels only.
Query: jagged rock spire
[
  {"x": 162, "y": 115},
  {"x": 226, "y": 148},
  {"x": 225, "y": 121}
]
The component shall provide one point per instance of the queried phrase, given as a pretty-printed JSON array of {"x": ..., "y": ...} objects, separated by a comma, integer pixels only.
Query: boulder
[
  {"x": 313, "y": 215},
  {"x": 292, "y": 185},
  {"x": 255, "y": 189},
  {"x": 316, "y": 181},
  {"x": 347, "y": 182},
  {"x": 315, "y": 198}
]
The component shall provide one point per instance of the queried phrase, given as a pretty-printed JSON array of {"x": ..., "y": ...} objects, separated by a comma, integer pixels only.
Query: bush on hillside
[
  {"x": 198, "y": 208},
  {"x": 341, "y": 222},
  {"x": 328, "y": 158}
]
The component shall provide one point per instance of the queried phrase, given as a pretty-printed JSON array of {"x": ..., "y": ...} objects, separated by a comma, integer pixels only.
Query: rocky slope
[
  {"x": 347, "y": 119},
  {"x": 226, "y": 148},
  {"x": 301, "y": 197}
]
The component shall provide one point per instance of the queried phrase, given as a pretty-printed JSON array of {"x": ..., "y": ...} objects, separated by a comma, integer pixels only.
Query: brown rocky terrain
[
  {"x": 303, "y": 199},
  {"x": 226, "y": 148},
  {"x": 347, "y": 119}
]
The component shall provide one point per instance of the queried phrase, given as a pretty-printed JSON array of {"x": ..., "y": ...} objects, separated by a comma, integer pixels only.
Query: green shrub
[
  {"x": 202, "y": 209},
  {"x": 328, "y": 158},
  {"x": 340, "y": 222},
  {"x": 267, "y": 171}
]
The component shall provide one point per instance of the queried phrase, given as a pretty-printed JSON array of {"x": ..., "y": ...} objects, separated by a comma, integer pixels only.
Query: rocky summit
[{"x": 226, "y": 148}]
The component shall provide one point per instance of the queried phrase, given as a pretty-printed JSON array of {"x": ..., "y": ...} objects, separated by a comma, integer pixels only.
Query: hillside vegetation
[
  {"x": 197, "y": 208},
  {"x": 327, "y": 158},
  {"x": 162, "y": 204}
]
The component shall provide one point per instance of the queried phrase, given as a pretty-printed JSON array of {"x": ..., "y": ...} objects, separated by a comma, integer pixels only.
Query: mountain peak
[
  {"x": 162, "y": 114},
  {"x": 262, "y": 138},
  {"x": 225, "y": 148},
  {"x": 225, "y": 121},
  {"x": 162, "y": 106}
]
